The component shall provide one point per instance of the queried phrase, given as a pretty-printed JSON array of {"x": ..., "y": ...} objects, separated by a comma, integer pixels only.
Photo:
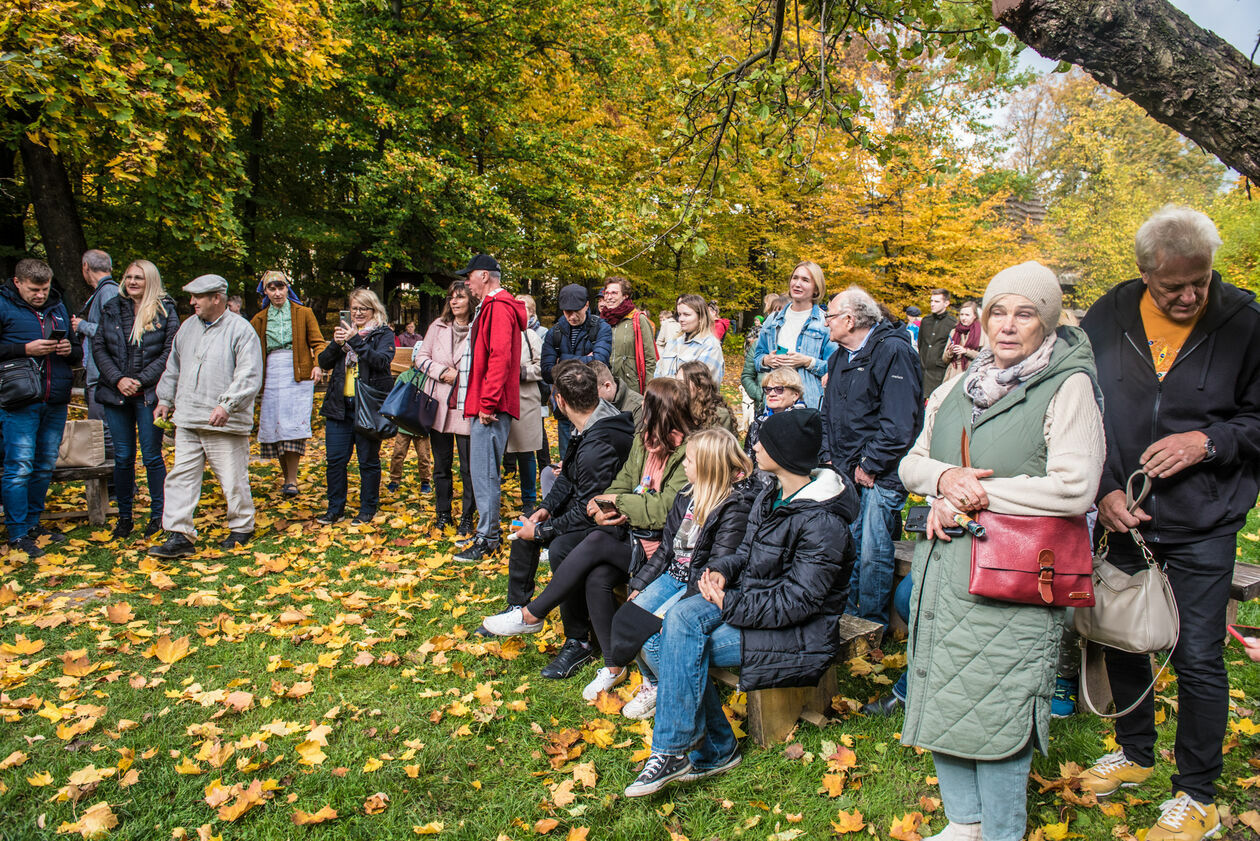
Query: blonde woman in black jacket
[{"x": 130, "y": 349}]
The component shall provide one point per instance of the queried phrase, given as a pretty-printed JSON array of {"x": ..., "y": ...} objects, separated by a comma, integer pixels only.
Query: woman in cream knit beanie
[{"x": 1034, "y": 282}]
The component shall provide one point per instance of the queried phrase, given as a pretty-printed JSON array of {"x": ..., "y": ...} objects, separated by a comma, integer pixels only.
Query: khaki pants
[
  {"x": 424, "y": 456},
  {"x": 228, "y": 456}
]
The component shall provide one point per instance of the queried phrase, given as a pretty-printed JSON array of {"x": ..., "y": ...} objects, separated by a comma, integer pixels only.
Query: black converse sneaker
[{"x": 659, "y": 771}]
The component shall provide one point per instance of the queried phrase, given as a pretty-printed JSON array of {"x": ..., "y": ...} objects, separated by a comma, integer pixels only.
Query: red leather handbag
[{"x": 1045, "y": 561}]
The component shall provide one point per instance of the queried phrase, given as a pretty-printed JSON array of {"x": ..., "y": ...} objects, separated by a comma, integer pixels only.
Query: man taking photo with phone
[{"x": 38, "y": 352}]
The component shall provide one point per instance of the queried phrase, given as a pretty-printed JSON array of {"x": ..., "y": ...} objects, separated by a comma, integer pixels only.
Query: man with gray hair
[
  {"x": 1178, "y": 354},
  {"x": 872, "y": 412},
  {"x": 213, "y": 374},
  {"x": 97, "y": 268}
]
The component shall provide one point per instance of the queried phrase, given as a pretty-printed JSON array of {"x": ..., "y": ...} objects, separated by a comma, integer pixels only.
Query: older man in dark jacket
[
  {"x": 769, "y": 608},
  {"x": 39, "y": 349},
  {"x": 872, "y": 411},
  {"x": 1178, "y": 353}
]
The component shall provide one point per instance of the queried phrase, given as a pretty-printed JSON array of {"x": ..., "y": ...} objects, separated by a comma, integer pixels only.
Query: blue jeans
[
  {"x": 992, "y": 793},
  {"x": 126, "y": 423},
  {"x": 873, "y": 533},
  {"x": 340, "y": 441},
  {"x": 564, "y": 431},
  {"x": 901, "y": 604},
  {"x": 32, "y": 435},
  {"x": 657, "y": 597},
  {"x": 689, "y": 717},
  {"x": 527, "y": 468},
  {"x": 486, "y": 443}
]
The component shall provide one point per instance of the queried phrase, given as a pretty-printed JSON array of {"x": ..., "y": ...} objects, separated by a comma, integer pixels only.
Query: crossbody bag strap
[{"x": 1133, "y": 498}]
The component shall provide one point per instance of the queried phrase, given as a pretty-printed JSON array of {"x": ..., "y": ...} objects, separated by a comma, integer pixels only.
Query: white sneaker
[
  {"x": 603, "y": 682},
  {"x": 957, "y": 832},
  {"x": 510, "y": 623},
  {"x": 643, "y": 704}
]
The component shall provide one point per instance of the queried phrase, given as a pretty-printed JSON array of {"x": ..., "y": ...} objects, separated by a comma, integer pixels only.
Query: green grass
[{"x": 369, "y": 592}]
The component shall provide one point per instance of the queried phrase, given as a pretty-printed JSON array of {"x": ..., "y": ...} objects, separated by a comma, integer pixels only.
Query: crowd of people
[{"x": 680, "y": 538}]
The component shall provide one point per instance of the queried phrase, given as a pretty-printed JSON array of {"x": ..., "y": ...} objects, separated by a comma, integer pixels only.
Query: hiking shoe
[
  {"x": 236, "y": 538},
  {"x": 1184, "y": 819},
  {"x": 643, "y": 704},
  {"x": 477, "y": 551},
  {"x": 52, "y": 534},
  {"x": 574, "y": 654},
  {"x": 466, "y": 525},
  {"x": 154, "y": 526},
  {"x": 123, "y": 527},
  {"x": 328, "y": 518},
  {"x": 1113, "y": 772},
  {"x": 510, "y": 623},
  {"x": 660, "y": 770},
  {"x": 697, "y": 773},
  {"x": 604, "y": 681},
  {"x": 27, "y": 545},
  {"x": 442, "y": 521},
  {"x": 957, "y": 832},
  {"x": 887, "y": 705},
  {"x": 176, "y": 546},
  {"x": 1063, "y": 704},
  {"x": 362, "y": 518}
]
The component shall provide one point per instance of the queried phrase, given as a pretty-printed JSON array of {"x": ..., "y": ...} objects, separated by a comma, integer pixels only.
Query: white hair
[
  {"x": 857, "y": 302},
  {"x": 1175, "y": 231},
  {"x": 97, "y": 260}
]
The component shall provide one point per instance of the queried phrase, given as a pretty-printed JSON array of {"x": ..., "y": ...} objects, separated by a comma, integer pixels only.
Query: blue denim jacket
[{"x": 814, "y": 341}]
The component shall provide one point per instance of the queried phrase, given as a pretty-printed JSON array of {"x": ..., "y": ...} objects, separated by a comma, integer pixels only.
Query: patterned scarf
[{"x": 986, "y": 384}]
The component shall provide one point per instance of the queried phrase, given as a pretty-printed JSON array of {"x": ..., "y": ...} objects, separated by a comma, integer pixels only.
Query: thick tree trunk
[
  {"x": 58, "y": 218},
  {"x": 12, "y": 215},
  {"x": 1182, "y": 75}
]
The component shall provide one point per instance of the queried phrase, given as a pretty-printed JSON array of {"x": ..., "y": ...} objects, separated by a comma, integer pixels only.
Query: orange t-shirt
[{"x": 1165, "y": 336}]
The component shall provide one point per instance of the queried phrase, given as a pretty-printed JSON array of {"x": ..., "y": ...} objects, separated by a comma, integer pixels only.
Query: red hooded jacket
[{"x": 494, "y": 376}]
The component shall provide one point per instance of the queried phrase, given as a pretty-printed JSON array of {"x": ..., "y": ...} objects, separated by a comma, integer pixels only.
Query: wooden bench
[
  {"x": 1244, "y": 587},
  {"x": 773, "y": 713},
  {"x": 96, "y": 480}
]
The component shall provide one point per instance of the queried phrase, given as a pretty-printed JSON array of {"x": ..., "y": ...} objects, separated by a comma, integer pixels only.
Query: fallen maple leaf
[
  {"x": 585, "y": 774},
  {"x": 833, "y": 784},
  {"x": 301, "y": 818},
  {"x": 562, "y": 794},
  {"x": 13, "y": 760},
  {"x": 904, "y": 828},
  {"x": 170, "y": 651},
  {"x": 609, "y": 703},
  {"x": 246, "y": 800},
  {"x": 577, "y": 833},
  {"x": 120, "y": 613},
  {"x": 545, "y": 825},
  {"x": 372, "y": 764},
  {"x": 96, "y": 822},
  {"x": 430, "y": 828},
  {"x": 239, "y": 701},
  {"x": 22, "y": 646},
  {"x": 300, "y": 689},
  {"x": 1252, "y": 819},
  {"x": 376, "y": 804},
  {"x": 794, "y": 751},
  {"x": 847, "y": 822}
]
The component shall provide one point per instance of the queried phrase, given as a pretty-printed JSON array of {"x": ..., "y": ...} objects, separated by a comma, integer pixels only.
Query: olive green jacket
[
  {"x": 622, "y": 362},
  {"x": 648, "y": 510}
]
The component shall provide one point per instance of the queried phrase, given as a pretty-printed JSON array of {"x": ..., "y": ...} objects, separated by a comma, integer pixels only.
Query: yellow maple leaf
[
  {"x": 578, "y": 833},
  {"x": 372, "y": 764},
  {"x": 187, "y": 766},
  {"x": 833, "y": 784},
  {"x": 376, "y": 804},
  {"x": 161, "y": 580},
  {"x": 120, "y": 613},
  {"x": 585, "y": 774},
  {"x": 75, "y": 663},
  {"x": 96, "y": 822},
  {"x": 22, "y": 646},
  {"x": 301, "y": 818},
  {"x": 43, "y": 778},
  {"x": 13, "y": 760},
  {"x": 168, "y": 650},
  {"x": 430, "y": 828},
  {"x": 843, "y": 758},
  {"x": 847, "y": 822},
  {"x": 1058, "y": 832},
  {"x": 246, "y": 800},
  {"x": 545, "y": 825},
  {"x": 1252, "y": 819},
  {"x": 412, "y": 771},
  {"x": 310, "y": 753},
  {"x": 904, "y": 828},
  {"x": 609, "y": 703},
  {"x": 562, "y": 793}
]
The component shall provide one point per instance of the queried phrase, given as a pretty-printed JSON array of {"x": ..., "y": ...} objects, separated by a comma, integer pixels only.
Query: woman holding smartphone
[
  {"x": 361, "y": 350},
  {"x": 130, "y": 349}
]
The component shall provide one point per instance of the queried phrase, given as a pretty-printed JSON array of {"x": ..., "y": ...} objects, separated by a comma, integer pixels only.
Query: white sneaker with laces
[
  {"x": 604, "y": 681},
  {"x": 510, "y": 624},
  {"x": 957, "y": 832},
  {"x": 643, "y": 704}
]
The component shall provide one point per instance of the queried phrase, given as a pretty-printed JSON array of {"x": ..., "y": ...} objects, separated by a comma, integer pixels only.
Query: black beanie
[{"x": 793, "y": 439}]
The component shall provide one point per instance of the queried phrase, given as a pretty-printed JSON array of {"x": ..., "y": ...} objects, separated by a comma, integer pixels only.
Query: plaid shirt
[{"x": 682, "y": 350}]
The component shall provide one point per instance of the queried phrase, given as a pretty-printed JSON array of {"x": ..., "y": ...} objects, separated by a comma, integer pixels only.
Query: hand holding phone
[
  {"x": 606, "y": 505},
  {"x": 1245, "y": 634}
]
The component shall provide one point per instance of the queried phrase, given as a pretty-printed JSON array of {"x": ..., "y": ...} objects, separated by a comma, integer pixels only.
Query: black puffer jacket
[
  {"x": 594, "y": 457},
  {"x": 116, "y": 356},
  {"x": 1213, "y": 387},
  {"x": 720, "y": 535},
  {"x": 375, "y": 352},
  {"x": 787, "y": 584}
]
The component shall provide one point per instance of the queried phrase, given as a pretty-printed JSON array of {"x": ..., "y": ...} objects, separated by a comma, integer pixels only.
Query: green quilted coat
[{"x": 981, "y": 672}]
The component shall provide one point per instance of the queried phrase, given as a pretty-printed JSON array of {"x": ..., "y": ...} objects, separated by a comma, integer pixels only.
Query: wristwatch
[{"x": 1209, "y": 450}]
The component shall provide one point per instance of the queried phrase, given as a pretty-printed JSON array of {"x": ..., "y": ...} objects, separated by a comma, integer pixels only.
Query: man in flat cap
[
  {"x": 491, "y": 367},
  {"x": 579, "y": 335},
  {"x": 212, "y": 376}
]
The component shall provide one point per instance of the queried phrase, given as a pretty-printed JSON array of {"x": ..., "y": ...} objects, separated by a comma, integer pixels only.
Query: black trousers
[
  {"x": 582, "y": 584},
  {"x": 523, "y": 570},
  {"x": 1200, "y": 574},
  {"x": 444, "y": 445},
  {"x": 341, "y": 440}
]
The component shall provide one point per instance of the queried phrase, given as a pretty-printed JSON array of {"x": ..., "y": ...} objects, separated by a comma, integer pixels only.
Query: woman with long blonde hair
[
  {"x": 707, "y": 520},
  {"x": 130, "y": 348},
  {"x": 361, "y": 351},
  {"x": 695, "y": 340}
]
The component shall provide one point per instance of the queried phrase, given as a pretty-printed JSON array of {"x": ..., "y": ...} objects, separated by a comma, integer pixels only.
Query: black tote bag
[{"x": 368, "y": 419}]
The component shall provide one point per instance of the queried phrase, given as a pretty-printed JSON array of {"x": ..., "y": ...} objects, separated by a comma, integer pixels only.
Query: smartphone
[
  {"x": 345, "y": 318},
  {"x": 57, "y": 334},
  {"x": 916, "y": 522},
  {"x": 607, "y": 506},
  {"x": 1242, "y": 632}
]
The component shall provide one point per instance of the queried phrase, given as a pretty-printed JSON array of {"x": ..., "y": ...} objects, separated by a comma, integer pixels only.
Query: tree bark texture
[
  {"x": 1182, "y": 75},
  {"x": 12, "y": 215},
  {"x": 58, "y": 216}
]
